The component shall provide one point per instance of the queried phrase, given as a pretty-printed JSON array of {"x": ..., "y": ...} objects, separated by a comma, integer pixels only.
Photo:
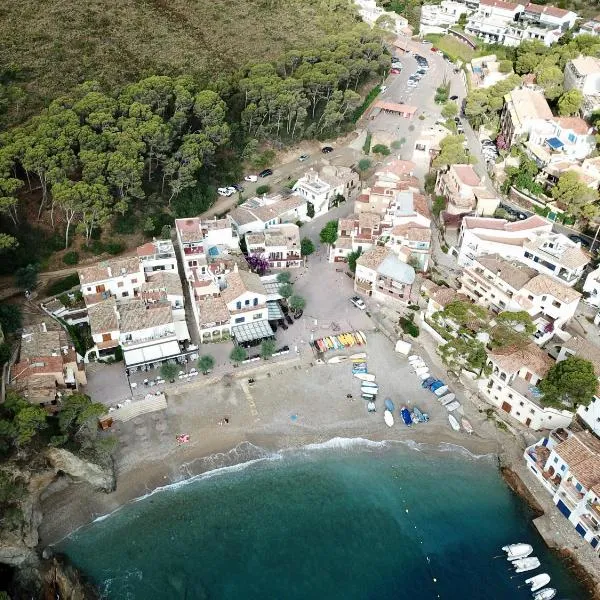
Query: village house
[
  {"x": 320, "y": 189},
  {"x": 48, "y": 368},
  {"x": 591, "y": 288},
  {"x": 280, "y": 244},
  {"x": 437, "y": 18},
  {"x": 530, "y": 241},
  {"x": 588, "y": 172},
  {"x": 356, "y": 233},
  {"x": 567, "y": 464},
  {"x": 157, "y": 255},
  {"x": 438, "y": 297},
  {"x": 503, "y": 285},
  {"x": 485, "y": 72},
  {"x": 463, "y": 189},
  {"x": 257, "y": 214},
  {"x": 515, "y": 371},
  {"x": 583, "y": 74},
  {"x": 591, "y": 27},
  {"x": 382, "y": 275},
  {"x": 524, "y": 110},
  {"x": 120, "y": 277}
]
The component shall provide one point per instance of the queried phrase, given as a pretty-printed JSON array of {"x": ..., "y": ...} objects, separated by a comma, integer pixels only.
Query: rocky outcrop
[
  {"x": 61, "y": 580},
  {"x": 64, "y": 461}
]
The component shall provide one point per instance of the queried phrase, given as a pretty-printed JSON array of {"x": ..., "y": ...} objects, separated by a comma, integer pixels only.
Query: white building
[
  {"x": 280, "y": 244},
  {"x": 530, "y": 241},
  {"x": 512, "y": 387},
  {"x": 568, "y": 466},
  {"x": 591, "y": 27},
  {"x": 258, "y": 214},
  {"x": 157, "y": 255},
  {"x": 464, "y": 191},
  {"x": 370, "y": 12},
  {"x": 524, "y": 110},
  {"x": 583, "y": 74},
  {"x": 437, "y": 18},
  {"x": 120, "y": 277},
  {"x": 503, "y": 285},
  {"x": 321, "y": 189}
]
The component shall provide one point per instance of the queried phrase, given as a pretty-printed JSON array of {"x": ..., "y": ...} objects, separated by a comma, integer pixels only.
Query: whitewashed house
[
  {"x": 280, "y": 244},
  {"x": 120, "y": 277},
  {"x": 157, "y": 255},
  {"x": 321, "y": 188},
  {"x": 583, "y": 74}
]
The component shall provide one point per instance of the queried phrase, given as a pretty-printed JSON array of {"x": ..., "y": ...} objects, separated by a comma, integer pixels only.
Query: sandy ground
[{"x": 290, "y": 405}]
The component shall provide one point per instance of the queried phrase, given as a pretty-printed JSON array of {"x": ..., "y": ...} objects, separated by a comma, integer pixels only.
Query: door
[
  {"x": 528, "y": 422},
  {"x": 506, "y": 407},
  {"x": 100, "y": 289},
  {"x": 564, "y": 509},
  {"x": 106, "y": 337},
  {"x": 580, "y": 530},
  {"x": 528, "y": 376}
]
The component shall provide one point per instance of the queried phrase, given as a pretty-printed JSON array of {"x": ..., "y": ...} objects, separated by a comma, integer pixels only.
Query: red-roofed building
[{"x": 464, "y": 191}]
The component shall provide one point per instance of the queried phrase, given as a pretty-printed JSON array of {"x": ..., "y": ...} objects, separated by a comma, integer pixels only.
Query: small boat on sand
[
  {"x": 466, "y": 425},
  {"x": 545, "y": 594},
  {"x": 405, "y": 414},
  {"x": 388, "y": 417},
  {"x": 421, "y": 371},
  {"x": 452, "y": 406},
  {"x": 369, "y": 384},
  {"x": 389, "y": 404},
  {"x": 424, "y": 376},
  {"x": 418, "y": 365},
  {"x": 441, "y": 391},
  {"x": 371, "y": 407},
  {"x": 453, "y": 423},
  {"x": 365, "y": 376},
  {"x": 526, "y": 564},
  {"x": 358, "y": 355},
  {"x": 419, "y": 416},
  {"x": 414, "y": 357},
  {"x": 369, "y": 390},
  {"x": 336, "y": 359},
  {"x": 447, "y": 399},
  {"x": 538, "y": 581},
  {"x": 519, "y": 550}
]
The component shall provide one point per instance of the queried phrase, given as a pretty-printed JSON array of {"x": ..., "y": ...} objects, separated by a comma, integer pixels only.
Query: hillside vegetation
[{"x": 47, "y": 50}]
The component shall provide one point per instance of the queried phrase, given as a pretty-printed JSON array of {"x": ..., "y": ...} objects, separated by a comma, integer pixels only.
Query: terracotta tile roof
[
  {"x": 91, "y": 299},
  {"x": 444, "y": 296},
  {"x": 169, "y": 281},
  {"x": 373, "y": 257},
  {"x": 584, "y": 349},
  {"x": 244, "y": 215},
  {"x": 212, "y": 310},
  {"x": 103, "y": 316},
  {"x": 466, "y": 174},
  {"x": 368, "y": 221},
  {"x": 572, "y": 256},
  {"x": 41, "y": 365},
  {"x": 43, "y": 343},
  {"x": 189, "y": 229},
  {"x": 399, "y": 167},
  {"x": 255, "y": 239},
  {"x": 108, "y": 269},
  {"x": 532, "y": 222},
  {"x": 548, "y": 10},
  {"x": 413, "y": 232},
  {"x": 544, "y": 284},
  {"x": 136, "y": 315},
  {"x": 348, "y": 223},
  {"x": 146, "y": 250},
  {"x": 576, "y": 124},
  {"x": 514, "y": 273},
  {"x": 532, "y": 357},
  {"x": 344, "y": 243},
  {"x": 578, "y": 448},
  {"x": 499, "y": 4},
  {"x": 421, "y": 205},
  {"x": 363, "y": 198},
  {"x": 587, "y": 472},
  {"x": 240, "y": 283}
]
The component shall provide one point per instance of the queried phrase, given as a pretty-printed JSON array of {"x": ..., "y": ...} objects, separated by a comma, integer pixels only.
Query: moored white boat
[
  {"x": 441, "y": 391},
  {"x": 526, "y": 564},
  {"x": 424, "y": 376},
  {"x": 336, "y": 359},
  {"x": 421, "y": 371},
  {"x": 466, "y": 425},
  {"x": 520, "y": 550},
  {"x": 538, "y": 581},
  {"x": 365, "y": 376},
  {"x": 545, "y": 594},
  {"x": 452, "y": 406},
  {"x": 388, "y": 417},
  {"x": 453, "y": 423},
  {"x": 447, "y": 399},
  {"x": 358, "y": 355}
]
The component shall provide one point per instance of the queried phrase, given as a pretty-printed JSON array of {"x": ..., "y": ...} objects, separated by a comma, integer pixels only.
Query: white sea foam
[
  {"x": 341, "y": 443},
  {"x": 447, "y": 447}
]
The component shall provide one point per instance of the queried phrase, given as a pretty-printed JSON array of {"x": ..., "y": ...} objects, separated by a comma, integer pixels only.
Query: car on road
[
  {"x": 303, "y": 157},
  {"x": 251, "y": 178},
  {"x": 358, "y": 302},
  {"x": 265, "y": 173},
  {"x": 237, "y": 187},
  {"x": 326, "y": 149},
  {"x": 394, "y": 71},
  {"x": 453, "y": 97},
  {"x": 396, "y": 65},
  {"x": 231, "y": 188},
  {"x": 225, "y": 192}
]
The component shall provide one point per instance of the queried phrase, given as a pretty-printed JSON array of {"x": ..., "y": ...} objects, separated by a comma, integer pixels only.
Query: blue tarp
[{"x": 554, "y": 143}]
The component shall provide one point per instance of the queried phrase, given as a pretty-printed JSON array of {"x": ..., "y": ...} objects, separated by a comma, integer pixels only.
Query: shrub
[
  {"x": 26, "y": 277},
  {"x": 263, "y": 189},
  {"x": 238, "y": 354},
  {"x": 169, "y": 371},
  {"x": 96, "y": 247},
  {"x": 367, "y": 145},
  {"x": 205, "y": 363},
  {"x": 71, "y": 258},
  {"x": 114, "y": 247},
  {"x": 381, "y": 149},
  {"x": 125, "y": 224},
  {"x": 63, "y": 285},
  {"x": 306, "y": 247},
  {"x": 267, "y": 348},
  {"x": 409, "y": 327}
]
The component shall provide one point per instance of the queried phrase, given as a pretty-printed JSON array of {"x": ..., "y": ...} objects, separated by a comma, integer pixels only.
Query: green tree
[
  {"x": 286, "y": 290},
  {"x": 381, "y": 149},
  {"x": 575, "y": 196},
  {"x": 26, "y": 277},
  {"x": 238, "y": 355},
  {"x": 267, "y": 349},
  {"x": 297, "y": 303},
  {"x": 570, "y": 103},
  {"x": 79, "y": 416},
  {"x": 28, "y": 421},
  {"x": 464, "y": 354},
  {"x": 284, "y": 277},
  {"x": 512, "y": 329},
  {"x": 465, "y": 315},
  {"x": 263, "y": 189},
  {"x": 364, "y": 164},
  {"x": 439, "y": 204},
  {"x": 452, "y": 152},
  {"x": 449, "y": 110},
  {"x": 505, "y": 66},
  {"x": 169, "y": 371},
  {"x": 11, "y": 318},
  {"x": 328, "y": 234},
  {"x": 569, "y": 383},
  {"x": 551, "y": 79},
  {"x": 310, "y": 210},
  {"x": 306, "y": 247},
  {"x": 205, "y": 363},
  {"x": 352, "y": 258}
]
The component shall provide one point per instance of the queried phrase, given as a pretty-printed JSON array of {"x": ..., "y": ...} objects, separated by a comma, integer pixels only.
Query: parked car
[
  {"x": 394, "y": 71},
  {"x": 326, "y": 149},
  {"x": 358, "y": 302},
  {"x": 579, "y": 240},
  {"x": 265, "y": 173},
  {"x": 225, "y": 192},
  {"x": 251, "y": 178},
  {"x": 303, "y": 157},
  {"x": 232, "y": 189},
  {"x": 454, "y": 97}
]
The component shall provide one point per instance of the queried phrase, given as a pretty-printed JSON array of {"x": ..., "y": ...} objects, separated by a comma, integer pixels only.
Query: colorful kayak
[
  {"x": 405, "y": 414},
  {"x": 336, "y": 359},
  {"x": 388, "y": 417},
  {"x": 419, "y": 416}
]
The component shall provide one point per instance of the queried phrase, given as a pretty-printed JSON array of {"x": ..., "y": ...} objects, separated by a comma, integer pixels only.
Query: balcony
[
  {"x": 568, "y": 490},
  {"x": 193, "y": 250},
  {"x": 363, "y": 284},
  {"x": 589, "y": 523},
  {"x": 134, "y": 342}
]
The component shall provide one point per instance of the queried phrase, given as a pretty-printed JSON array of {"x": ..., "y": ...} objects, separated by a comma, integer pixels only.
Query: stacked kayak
[{"x": 340, "y": 341}]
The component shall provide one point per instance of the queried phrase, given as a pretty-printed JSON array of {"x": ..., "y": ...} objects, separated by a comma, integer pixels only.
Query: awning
[
  {"x": 151, "y": 353},
  {"x": 554, "y": 143},
  {"x": 181, "y": 330},
  {"x": 274, "y": 310},
  {"x": 257, "y": 330}
]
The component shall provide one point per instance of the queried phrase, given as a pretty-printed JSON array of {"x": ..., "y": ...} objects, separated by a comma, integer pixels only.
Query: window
[
  {"x": 134, "y": 280},
  {"x": 255, "y": 302},
  {"x": 556, "y": 304},
  {"x": 510, "y": 396},
  {"x": 531, "y": 411},
  {"x": 572, "y": 137},
  {"x": 563, "y": 468},
  {"x": 521, "y": 404},
  {"x": 125, "y": 294},
  {"x": 238, "y": 305},
  {"x": 240, "y": 319},
  {"x": 120, "y": 284},
  {"x": 578, "y": 487},
  {"x": 257, "y": 316},
  {"x": 246, "y": 302},
  {"x": 518, "y": 414},
  {"x": 555, "y": 459},
  {"x": 530, "y": 297}
]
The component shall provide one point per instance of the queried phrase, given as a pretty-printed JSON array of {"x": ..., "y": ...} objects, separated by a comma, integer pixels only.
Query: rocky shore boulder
[{"x": 81, "y": 470}]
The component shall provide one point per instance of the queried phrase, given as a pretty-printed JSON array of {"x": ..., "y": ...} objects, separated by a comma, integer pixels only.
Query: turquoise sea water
[{"x": 358, "y": 522}]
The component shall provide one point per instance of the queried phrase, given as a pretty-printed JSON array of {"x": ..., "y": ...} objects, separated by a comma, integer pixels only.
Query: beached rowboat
[
  {"x": 365, "y": 377},
  {"x": 424, "y": 376},
  {"x": 336, "y": 359},
  {"x": 452, "y": 406},
  {"x": 441, "y": 391},
  {"x": 447, "y": 399},
  {"x": 453, "y": 423},
  {"x": 389, "y": 404},
  {"x": 466, "y": 425},
  {"x": 358, "y": 355},
  {"x": 388, "y": 417}
]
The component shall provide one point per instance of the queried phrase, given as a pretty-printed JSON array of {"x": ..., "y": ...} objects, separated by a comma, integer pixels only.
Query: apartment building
[
  {"x": 524, "y": 110},
  {"x": 320, "y": 189},
  {"x": 157, "y": 255},
  {"x": 120, "y": 277},
  {"x": 280, "y": 244},
  {"x": 530, "y": 241},
  {"x": 438, "y": 18},
  {"x": 583, "y": 74},
  {"x": 464, "y": 191},
  {"x": 258, "y": 214},
  {"x": 382, "y": 275},
  {"x": 505, "y": 285},
  {"x": 356, "y": 233},
  {"x": 567, "y": 464},
  {"x": 512, "y": 386},
  {"x": 48, "y": 368}
]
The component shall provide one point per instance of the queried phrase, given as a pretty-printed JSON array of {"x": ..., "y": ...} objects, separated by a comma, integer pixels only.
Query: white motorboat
[
  {"x": 545, "y": 594},
  {"x": 358, "y": 355},
  {"x": 452, "y": 406},
  {"x": 365, "y": 376},
  {"x": 453, "y": 423},
  {"x": 447, "y": 399},
  {"x": 526, "y": 564},
  {"x": 418, "y": 365},
  {"x": 514, "y": 551},
  {"x": 336, "y": 359},
  {"x": 538, "y": 581},
  {"x": 422, "y": 370},
  {"x": 424, "y": 376},
  {"x": 441, "y": 391},
  {"x": 414, "y": 357},
  {"x": 388, "y": 417}
]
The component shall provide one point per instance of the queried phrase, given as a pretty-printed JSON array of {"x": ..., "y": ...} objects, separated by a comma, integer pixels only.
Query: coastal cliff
[{"x": 33, "y": 575}]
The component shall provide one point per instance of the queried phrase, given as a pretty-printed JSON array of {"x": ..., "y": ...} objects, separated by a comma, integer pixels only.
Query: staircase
[{"x": 132, "y": 410}]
